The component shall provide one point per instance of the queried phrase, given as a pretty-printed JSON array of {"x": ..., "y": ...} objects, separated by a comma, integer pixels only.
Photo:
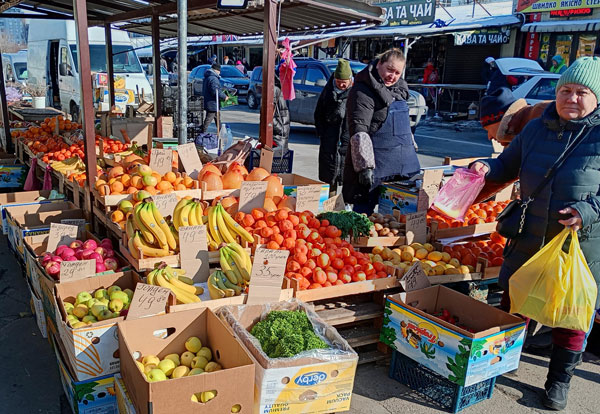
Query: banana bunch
[
  {"x": 147, "y": 231},
  {"x": 235, "y": 263},
  {"x": 188, "y": 212},
  {"x": 183, "y": 287},
  {"x": 73, "y": 164},
  {"x": 220, "y": 287},
  {"x": 222, "y": 228}
]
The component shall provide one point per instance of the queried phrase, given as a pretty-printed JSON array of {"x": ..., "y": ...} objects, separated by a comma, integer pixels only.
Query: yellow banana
[
  {"x": 213, "y": 289},
  {"x": 181, "y": 296},
  {"x": 212, "y": 245},
  {"x": 212, "y": 226},
  {"x": 199, "y": 213},
  {"x": 132, "y": 249},
  {"x": 147, "y": 250},
  {"x": 177, "y": 211},
  {"x": 227, "y": 269},
  {"x": 175, "y": 234},
  {"x": 147, "y": 218},
  {"x": 162, "y": 224},
  {"x": 139, "y": 225},
  {"x": 223, "y": 229},
  {"x": 234, "y": 226},
  {"x": 184, "y": 216},
  {"x": 151, "y": 278},
  {"x": 240, "y": 264},
  {"x": 192, "y": 216},
  {"x": 129, "y": 228},
  {"x": 178, "y": 283},
  {"x": 236, "y": 289},
  {"x": 243, "y": 254},
  {"x": 218, "y": 277}
]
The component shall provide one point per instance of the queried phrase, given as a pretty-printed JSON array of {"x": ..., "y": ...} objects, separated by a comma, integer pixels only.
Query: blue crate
[
  {"x": 281, "y": 165},
  {"x": 432, "y": 385}
]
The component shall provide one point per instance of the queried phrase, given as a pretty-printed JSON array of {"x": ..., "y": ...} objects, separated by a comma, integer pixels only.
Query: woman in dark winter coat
[
  {"x": 571, "y": 198},
  {"x": 381, "y": 144},
  {"x": 331, "y": 125},
  {"x": 281, "y": 121}
]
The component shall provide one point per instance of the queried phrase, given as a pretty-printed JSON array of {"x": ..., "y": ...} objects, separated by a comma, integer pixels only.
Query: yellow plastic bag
[{"x": 555, "y": 288}]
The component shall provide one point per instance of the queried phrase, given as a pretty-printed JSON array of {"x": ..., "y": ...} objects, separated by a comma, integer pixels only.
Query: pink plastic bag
[
  {"x": 457, "y": 195},
  {"x": 31, "y": 182}
]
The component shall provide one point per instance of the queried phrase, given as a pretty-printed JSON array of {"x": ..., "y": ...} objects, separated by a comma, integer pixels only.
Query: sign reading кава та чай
[
  {"x": 408, "y": 13},
  {"x": 535, "y": 6}
]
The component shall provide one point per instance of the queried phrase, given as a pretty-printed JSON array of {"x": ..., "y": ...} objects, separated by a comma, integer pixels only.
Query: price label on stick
[
  {"x": 193, "y": 250},
  {"x": 414, "y": 278},
  {"x": 308, "y": 197},
  {"x": 252, "y": 195},
  {"x": 61, "y": 234},
  {"x": 416, "y": 227},
  {"x": 165, "y": 203},
  {"x": 161, "y": 160},
  {"x": 190, "y": 159},
  {"x": 148, "y": 300},
  {"x": 266, "y": 158},
  {"x": 267, "y": 276},
  {"x": 335, "y": 203},
  {"x": 80, "y": 223},
  {"x": 78, "y": 269}
]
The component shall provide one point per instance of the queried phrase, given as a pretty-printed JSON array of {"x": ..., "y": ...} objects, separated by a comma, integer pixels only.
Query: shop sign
[
  {"x": 570, "y": 12},
  {"x": 408, "y": 13},
  {"x": 533, "y": 6},
  {"x": 496, "y": 36}
]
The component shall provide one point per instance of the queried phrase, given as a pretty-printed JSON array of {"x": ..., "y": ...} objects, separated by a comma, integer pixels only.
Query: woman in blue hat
[{"x": 558, "y": 65}]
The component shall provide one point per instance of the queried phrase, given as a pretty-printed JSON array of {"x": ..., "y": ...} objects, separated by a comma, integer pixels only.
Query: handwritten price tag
[
  {"x": 61, "y": 234},
  {"x": 190, "y": 159},
  {"x": 193, "y": 245},
  {"x": 416, "y": 227},
  {"x": 148, "y": 300},
  {"x": 414, "y": 278},
  {"x": 266, "y": 159},
  {"x": 267, "y": 276},
  {"x": 308, "y": 197},
  {"x": 431, "y": 186},
  {"x": 161, "y": 160},
  {"x": 335, "y": 203},
  {"x": 79, "y": 269},
  {"x": 165, "y": 203},
  {"x": 252, "y": 195},
  {"x": 80, "y": 223}
]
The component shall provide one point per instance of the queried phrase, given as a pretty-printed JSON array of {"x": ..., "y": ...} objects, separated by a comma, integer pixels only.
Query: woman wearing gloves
[
  {"x": 569, "y": 129},
  {"x": 381, "y": 143}
]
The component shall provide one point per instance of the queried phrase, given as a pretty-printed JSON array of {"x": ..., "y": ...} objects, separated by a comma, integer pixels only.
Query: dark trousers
[
  {"x": 368, "y": 205},
  {"x": 208, "y": 119}
]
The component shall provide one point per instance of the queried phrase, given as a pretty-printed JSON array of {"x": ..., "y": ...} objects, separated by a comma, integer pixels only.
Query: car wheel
[
  {"x": 252, "y": 101},
  {"x": 74, "y": 112}
]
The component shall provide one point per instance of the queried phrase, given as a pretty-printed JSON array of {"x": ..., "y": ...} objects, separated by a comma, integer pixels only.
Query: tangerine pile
[
  {"x": 477, "y": 214},
  {"x": 467, "y": 253},
  {"x": 118, "y": 180}
]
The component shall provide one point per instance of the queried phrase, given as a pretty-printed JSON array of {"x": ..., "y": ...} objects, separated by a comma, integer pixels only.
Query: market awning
[{"x": 591, "y": 25}]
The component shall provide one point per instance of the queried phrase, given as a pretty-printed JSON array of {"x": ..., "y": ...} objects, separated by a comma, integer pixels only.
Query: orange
[
  {"x": 117, "y": 216},
  {"x": 170, "y": 177},
  {"x": 117, "y": 187},
  {"x": 115, "y": 171},
  {"x": 188, "y": 182},
  {"x": 164, "y": 185},
  {"x": 131, "y": 190},
  {"x": 180, "y": 187},
  {"x": 99, "y": 183},
  {"x": 157, "y": 176},
  {"x": 178, "y": 180},
  {"x": 126, "y": 180},
  {"x": 102, "y": 190},
  {"x": 151, "y": 190},
  {"x": 136, "y": 182}
]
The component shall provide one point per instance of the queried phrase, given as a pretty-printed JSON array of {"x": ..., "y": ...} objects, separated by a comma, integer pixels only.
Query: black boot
[{"x": 561, "y": 369}]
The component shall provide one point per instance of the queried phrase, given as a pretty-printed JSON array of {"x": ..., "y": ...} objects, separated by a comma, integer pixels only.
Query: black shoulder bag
[{"x": 511, "y": 221}]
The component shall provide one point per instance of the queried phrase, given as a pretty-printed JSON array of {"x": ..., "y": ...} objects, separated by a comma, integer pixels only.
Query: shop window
[
  {"x": 313, "y": 76},
  {"x": 544, "y": 90},
  {"x": 586, "y": 46},
  {"x": 563, "y": 47}
]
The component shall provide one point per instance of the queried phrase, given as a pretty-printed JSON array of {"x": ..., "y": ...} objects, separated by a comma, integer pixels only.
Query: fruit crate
[
  {"x": 448, "y": 395},
  {"x": 281, "y": 165}
]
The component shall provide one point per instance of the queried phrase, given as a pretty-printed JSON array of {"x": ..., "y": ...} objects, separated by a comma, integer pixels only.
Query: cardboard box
[
  {"x": 462, "y": 357},
  {"x": 92, "y": 350},
  {"x": 38, "y": 311},
  {"x": 12, "y": 174},
  {"x": 21, "y": 199},
  {"x": 124, "y": 403},
  {"x": 30, "y": 220},
  {"x": 317, "y": 382},
  {"x": 92, "y": 396},
  {"x": 49, "y": 305},
  {"x": 234, "y": 383},
  {"x": 292, "y": 181}
]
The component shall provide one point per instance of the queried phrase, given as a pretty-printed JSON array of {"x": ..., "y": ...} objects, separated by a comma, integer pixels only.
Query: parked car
[
  {"x": 310, "y": 78},
  {"x": 539, "y": 85},
  {"x": 15, "y": 66},
  {"x": 164, "y": 74},
  {"x": 231, "y": 78}
]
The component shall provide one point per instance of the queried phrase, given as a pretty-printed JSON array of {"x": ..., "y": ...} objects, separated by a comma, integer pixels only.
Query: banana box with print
[
  {"x": 87, "y": 326},
  {"x": 124, "y": 403},
  {"x": 462, "y": 339}
]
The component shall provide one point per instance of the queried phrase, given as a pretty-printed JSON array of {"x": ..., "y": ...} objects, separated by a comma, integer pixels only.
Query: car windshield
[
  {"x": 545, "y": 90},
  {"x": 355, "y": 66},
  {"x": 163, "y": 71},
  {"x": 124, "y": 59},
  {"x": 228, "y": 71},
  {"x": 21, "y": 69}
]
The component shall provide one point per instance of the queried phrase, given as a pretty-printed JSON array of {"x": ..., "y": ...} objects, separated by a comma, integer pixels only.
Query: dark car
[
  {"x": 255, "y": 88},
  {"x": 231, "y": 78}
]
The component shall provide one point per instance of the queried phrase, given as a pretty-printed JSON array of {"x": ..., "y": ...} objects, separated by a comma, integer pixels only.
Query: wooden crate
[
  {"x": 379, "y": 241},
  {"x": 485, "y": 228},
  {"x": 211, "y": 195}
]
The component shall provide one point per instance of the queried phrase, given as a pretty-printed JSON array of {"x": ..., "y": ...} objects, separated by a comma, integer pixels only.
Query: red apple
[
  {"x": 77, "y": 244},
  {"x": 53, "y": 269},
  {"x": 71, "y": 259},
  {"x": 67, "y": 252},
  {"x": 111, "y": 264},
  {"x": 95, "y": 256},
  {"x": 101, "y": 251},
  {"x": 57, "y": 259},
  {"x": 60, "y": 249},
  {"x": 359, "y": 276},
  {"x": 107, "y": 243},
  {"x": 79, "y": 254},
  {"x": 109, "y": 253},
  {"x": 47, "y": 257},
  {"x": 85, "y": 254},
  {"x": 90, "y": 244},
  {"x": 100, "y": 267}
]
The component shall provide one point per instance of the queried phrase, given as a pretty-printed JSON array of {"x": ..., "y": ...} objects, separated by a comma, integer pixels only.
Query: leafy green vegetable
[
  {"x": 286, "y": 333},
  {"x": 349, "y": 222}
]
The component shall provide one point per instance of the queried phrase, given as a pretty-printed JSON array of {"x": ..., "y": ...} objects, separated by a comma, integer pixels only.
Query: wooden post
[
  {"x": 87, "y": 101},
  {"x": 110, "y": 70},
  {"x": 158, "y": 111},
  {"x": 5, "y": 122},
  {"x": 268, "y": 82}
]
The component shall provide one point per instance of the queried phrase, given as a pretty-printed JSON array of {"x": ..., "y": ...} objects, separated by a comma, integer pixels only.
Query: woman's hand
[
  {"x": 574, "y": 222},
  {"x": 480, "y": 168}
]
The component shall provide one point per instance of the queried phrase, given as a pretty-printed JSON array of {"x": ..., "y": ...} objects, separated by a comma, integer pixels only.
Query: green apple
[
  {"x": 206, "y": 396},
  {"x": 150, "y": 359},
  {"x": 119, "y": 294},
  {"x": 180, "y": 371},
  {"x": 167, "y": 366},
  {"x": 90, "y": 303},
  {"x": 68, "y": 307},
  {"x": 205, "y": 352},
  {"x": 199, "y": 362},
  {"x": 113, "y": 288},
  {"x": 80, "y": 310},
  {"x": 97, "y": 309},
  {"x": 79, "y": 325},
  {"x": 104, "y": 301},
  {"x": 149, "y": 368},
  {"x": 187, "y": 358},
  {"x": 156, "y": 375},
  {"x": 72, "y": 318},
  {"x": 126, "y": 306},
  {"x": 83, "y": 297},
  {"x": 115, "y": 305},
  {"x": 125, "y": 206},
  {"x": 140, "y": 366},
  {"x": 174, "y": 358},
  {"x": 196, "y": 371},
  {"x": 129, "y": 293},
  {"x": 101, "y": 293},
  {"x": 193, "y": 344},
  {"x": 105, "y": 314},
  {"x": 89, "y": 318},
  {"x": 116, "y": 314}
]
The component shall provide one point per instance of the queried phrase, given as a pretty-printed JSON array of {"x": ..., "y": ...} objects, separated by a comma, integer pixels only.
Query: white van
[
  {"x": 52, "y": 60},
  {"x": 15, "y": 66}
]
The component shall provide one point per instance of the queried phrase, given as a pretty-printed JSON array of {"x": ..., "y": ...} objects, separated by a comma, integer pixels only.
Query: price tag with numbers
[
  {"x": 416, "y": 227},
  {"x": 252, "y": 195},
  {"x": 188, "y": 154},
  {"x": 267, "y": 275},
  {"x": 61, "y": 234},
  {"x": 335, "y": 203},
  {"x": 165, "y": 203},
  {"x": 80, "y": 223},
  {"x": 308, "y": 197},
  {"x": 414, "y": 278},
  {"x": 78, "y": 269},
  {"x": 161, "y": 160},
  {"x": 193, "y": 245},
  {"x": 148, "y": 300}
]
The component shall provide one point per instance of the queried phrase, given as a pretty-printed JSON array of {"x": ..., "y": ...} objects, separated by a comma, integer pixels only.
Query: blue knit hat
[
  {"x": 558, "y": 59},
  {"x": 584, "y": 71}
]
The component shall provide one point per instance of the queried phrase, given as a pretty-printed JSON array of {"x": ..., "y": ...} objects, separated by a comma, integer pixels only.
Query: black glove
[{"x": 366, "y": 177}]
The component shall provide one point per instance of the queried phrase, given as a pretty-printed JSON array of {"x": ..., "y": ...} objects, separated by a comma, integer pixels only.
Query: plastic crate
[
  {"x": 447, "y": 394},
  {"x": 281, "y": 165}
]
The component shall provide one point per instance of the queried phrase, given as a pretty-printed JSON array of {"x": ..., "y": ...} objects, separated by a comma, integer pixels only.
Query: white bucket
[{"x": 39, "y": 102}]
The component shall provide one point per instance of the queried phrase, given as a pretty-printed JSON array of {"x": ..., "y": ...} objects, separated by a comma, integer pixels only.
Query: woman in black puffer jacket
[{"x": 381, "y": 143}]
